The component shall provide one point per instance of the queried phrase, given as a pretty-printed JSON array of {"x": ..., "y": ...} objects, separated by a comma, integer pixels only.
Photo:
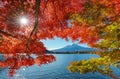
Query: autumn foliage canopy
[{"x": 89, "y": 21}]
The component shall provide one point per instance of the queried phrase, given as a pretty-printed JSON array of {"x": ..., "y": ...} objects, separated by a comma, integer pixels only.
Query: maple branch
[
  {"x": 7, "y": 34},
  {"x": 56, "y": 14},
  {"x": 45, "y": 6},
  {"x": 36, "y": 17},
  {"x": 36, "y": 22},
  {"x": 21, "y": 38}
]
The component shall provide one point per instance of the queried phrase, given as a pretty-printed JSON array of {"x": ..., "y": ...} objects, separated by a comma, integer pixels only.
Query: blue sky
[{"x": 58, "y": 43}]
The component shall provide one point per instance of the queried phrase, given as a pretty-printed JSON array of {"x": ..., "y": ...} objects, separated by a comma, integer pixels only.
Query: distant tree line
[{"x": 76, "y": 52}]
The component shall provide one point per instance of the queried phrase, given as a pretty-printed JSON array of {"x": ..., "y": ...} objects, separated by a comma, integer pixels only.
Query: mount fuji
[{"x": 74, "y": 48}]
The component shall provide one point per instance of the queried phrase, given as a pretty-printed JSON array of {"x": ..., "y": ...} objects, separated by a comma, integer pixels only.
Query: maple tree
[
  {"x": 90, "y": 21},
  {"x": 47, "y": 18},
  {"x": 103, "y": 17}
]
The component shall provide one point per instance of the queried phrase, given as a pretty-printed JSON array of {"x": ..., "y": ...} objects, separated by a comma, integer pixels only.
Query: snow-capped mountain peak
[{"x": 73, "y": 48}]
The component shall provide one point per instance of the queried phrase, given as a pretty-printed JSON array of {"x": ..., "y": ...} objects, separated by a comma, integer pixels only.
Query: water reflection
[
  {"x": 57, "y": 69},
  {"x": 15, "y": 62}
]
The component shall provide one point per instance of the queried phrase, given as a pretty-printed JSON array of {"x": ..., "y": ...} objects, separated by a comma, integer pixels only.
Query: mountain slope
[{"x": 73, "y": 48}]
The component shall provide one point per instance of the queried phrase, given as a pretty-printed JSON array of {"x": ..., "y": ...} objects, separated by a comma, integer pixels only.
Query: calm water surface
[{"x": 57, "y": 69}]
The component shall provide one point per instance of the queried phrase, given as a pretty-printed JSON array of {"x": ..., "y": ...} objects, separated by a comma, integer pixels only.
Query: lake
[{"x": 57, "y": 70}]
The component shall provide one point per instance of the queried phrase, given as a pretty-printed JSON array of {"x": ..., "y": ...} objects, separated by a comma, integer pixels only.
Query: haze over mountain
[{"x": 74, "y": 48}]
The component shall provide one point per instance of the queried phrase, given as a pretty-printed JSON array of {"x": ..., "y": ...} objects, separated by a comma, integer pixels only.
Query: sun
[{"x": 23, "y": 20}]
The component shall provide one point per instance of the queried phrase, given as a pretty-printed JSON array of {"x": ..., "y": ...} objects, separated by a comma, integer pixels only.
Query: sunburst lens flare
[{"x": 23, "y": 21}]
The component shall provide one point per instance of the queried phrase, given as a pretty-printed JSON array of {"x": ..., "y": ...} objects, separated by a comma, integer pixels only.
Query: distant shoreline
[{"x": 69, "y": 53}]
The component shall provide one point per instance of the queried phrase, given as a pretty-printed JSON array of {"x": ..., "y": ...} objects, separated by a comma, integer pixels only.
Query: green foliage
[
  {"x": 107, "y": 25},
  {"x": 93, "y": 65},
  {"x": 111, "y": 37},
  {"x": 94, "y": 14}
]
